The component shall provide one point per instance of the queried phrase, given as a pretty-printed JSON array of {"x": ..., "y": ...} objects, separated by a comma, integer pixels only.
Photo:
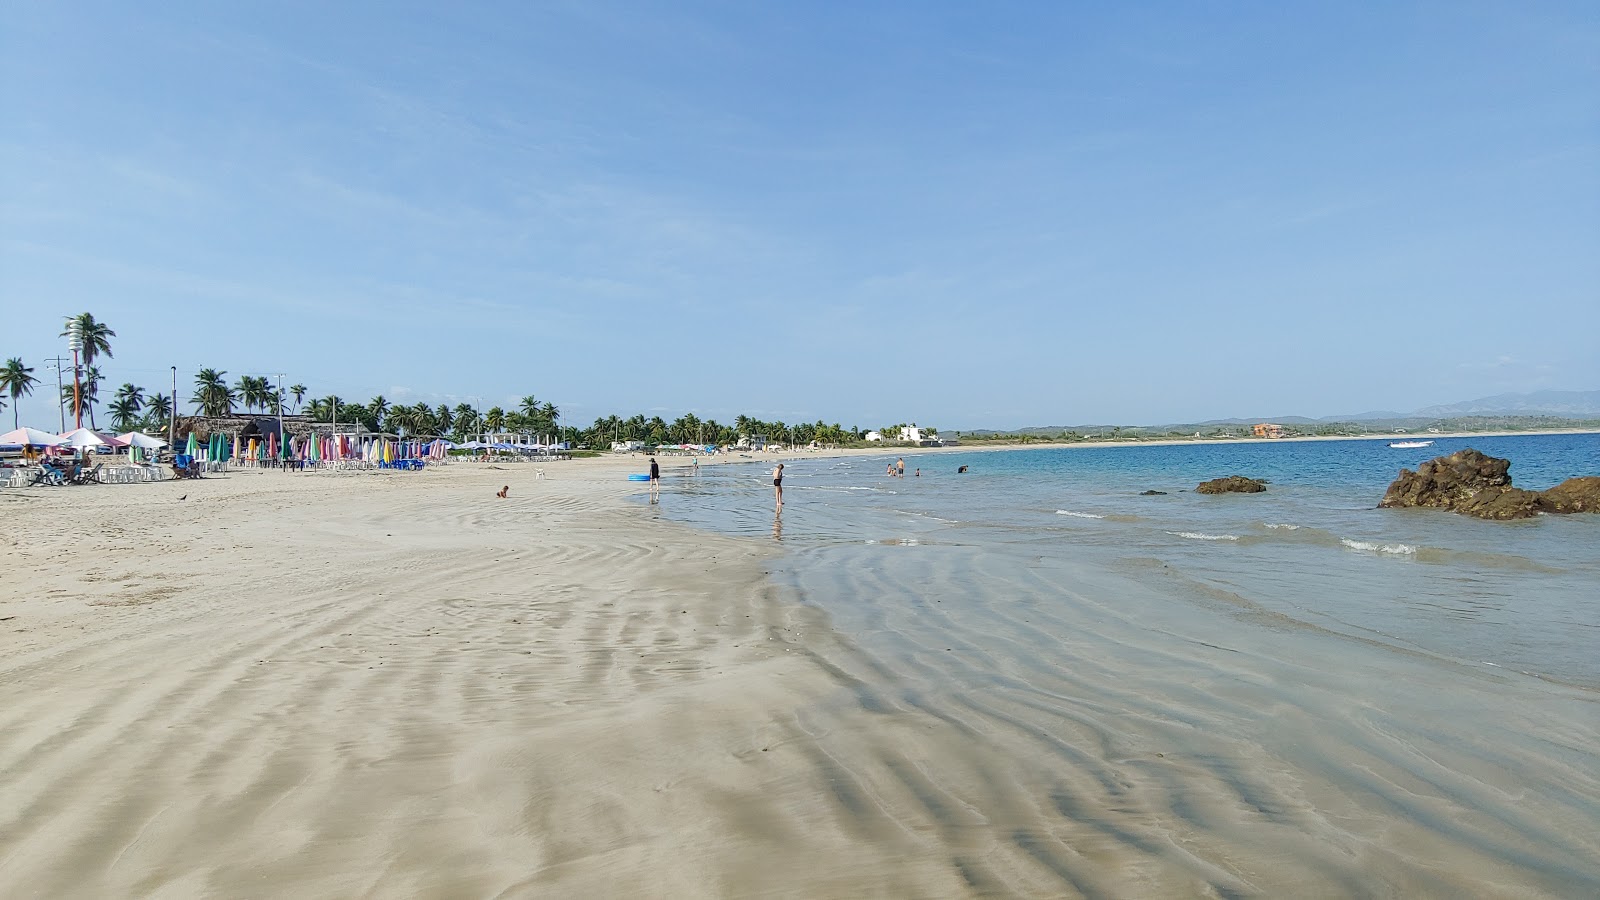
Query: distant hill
[
  {"x": 1557, "y": 404},
  {"x": 1538, "y": 403}
]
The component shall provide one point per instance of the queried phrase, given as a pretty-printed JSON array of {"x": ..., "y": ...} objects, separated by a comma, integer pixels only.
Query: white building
[{"x": 874, "y": 436}]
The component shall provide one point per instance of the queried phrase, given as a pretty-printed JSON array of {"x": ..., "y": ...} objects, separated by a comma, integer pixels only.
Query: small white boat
[{"x": 1409, "y": 445}]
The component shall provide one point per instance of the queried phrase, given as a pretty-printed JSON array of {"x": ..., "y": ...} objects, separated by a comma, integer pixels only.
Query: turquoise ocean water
[
  {"x": 1282, "y": 694},
  {"x": 1523, "y": 595}
]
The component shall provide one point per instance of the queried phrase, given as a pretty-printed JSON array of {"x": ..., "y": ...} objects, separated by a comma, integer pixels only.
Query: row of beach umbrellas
[{"x": 220, "y": 447}]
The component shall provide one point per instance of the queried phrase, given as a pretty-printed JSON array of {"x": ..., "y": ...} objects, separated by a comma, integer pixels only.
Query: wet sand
[{"x": 393, "y": 684}]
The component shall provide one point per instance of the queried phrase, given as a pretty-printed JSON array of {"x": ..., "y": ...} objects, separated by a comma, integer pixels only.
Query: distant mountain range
[
  {"x": 1539, "y": 403},
  {"x": 1559, "y": 404},
  {"x": 1562, "y": 404}
]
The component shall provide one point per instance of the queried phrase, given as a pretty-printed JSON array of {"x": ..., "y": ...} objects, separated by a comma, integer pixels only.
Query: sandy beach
[
  {"x": 394, "y": 684},
  {"x": 398, "y": 686}
]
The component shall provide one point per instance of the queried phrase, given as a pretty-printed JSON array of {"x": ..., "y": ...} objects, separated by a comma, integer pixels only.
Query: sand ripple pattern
[{"x": 385, "y": 687}]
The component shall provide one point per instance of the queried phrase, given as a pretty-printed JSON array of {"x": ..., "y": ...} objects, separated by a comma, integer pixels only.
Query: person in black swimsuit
[
  {"x": 777, "y": 484},
  {"x": 655, "y": 476}
]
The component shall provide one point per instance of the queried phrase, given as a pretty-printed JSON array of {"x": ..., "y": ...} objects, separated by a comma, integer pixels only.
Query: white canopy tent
[
  {"x": 141, "y": 440},
  {"x": 83, "y": 438}
]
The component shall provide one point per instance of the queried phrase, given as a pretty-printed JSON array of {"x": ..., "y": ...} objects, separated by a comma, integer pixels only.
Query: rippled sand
[{"x": 397, "y": 685}]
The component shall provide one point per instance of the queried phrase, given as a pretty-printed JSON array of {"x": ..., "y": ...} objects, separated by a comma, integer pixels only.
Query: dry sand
[{"x": 396, "y": 685}]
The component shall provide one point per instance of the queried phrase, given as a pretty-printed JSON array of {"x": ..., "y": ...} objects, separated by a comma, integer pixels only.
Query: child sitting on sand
[{"x": 503, "y": 492}]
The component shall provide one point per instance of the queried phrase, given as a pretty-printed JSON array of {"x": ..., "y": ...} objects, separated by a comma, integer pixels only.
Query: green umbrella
[{"x": 194, "y": 445}]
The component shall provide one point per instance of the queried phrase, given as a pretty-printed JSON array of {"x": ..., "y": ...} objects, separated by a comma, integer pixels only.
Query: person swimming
[{"x": 962, "y": 470}]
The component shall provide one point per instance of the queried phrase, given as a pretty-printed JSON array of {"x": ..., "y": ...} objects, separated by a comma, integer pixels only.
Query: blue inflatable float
[{"x": 638, "y": 477}]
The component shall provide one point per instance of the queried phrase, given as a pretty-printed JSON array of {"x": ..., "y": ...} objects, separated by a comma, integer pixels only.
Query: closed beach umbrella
[{"x": 193, "y": 447}]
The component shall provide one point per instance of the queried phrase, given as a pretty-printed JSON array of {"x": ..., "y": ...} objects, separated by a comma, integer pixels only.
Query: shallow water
[
  {"x": 1233, "y": 695},
  {"x": 1518, "y": 595}
]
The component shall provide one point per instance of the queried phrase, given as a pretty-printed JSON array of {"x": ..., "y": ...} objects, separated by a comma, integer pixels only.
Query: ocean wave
[
  {"x": 1078, "y": 515},
  {"x": 1280, "y": 526},
  {"x": 1372, "y": 547},
  {"x": 1200, "y": 536}
]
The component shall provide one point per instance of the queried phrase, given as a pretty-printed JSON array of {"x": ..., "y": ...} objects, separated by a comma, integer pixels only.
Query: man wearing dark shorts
[
  {"x": 655, "y": 476},
  {"x": 777, "y": 483}
]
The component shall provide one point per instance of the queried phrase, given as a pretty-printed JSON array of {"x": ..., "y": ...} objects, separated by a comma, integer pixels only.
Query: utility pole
[
  {"x": 61, "y": 408},
  {"x": 281, "y": 442},
  {"x": 172, "y": 414}
]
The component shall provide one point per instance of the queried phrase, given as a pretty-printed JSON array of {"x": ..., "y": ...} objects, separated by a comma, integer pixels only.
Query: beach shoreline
[{"x": 393, "y": 683}]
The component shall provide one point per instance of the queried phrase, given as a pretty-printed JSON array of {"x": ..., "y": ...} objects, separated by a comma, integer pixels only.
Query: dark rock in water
[
  {"x": 1474, "y": 484},
  {"x": 1574, "y": 495},
  {"x": 1233, "y": 484},
  {"x": 1152, "y": 493}
]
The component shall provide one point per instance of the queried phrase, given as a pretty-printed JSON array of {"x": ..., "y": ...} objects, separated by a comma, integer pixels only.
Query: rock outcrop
[
  {"x": 1474, "y": 484},
  {"x": 1574, "y": 495},
  {"x": 1233, "y": 484}
]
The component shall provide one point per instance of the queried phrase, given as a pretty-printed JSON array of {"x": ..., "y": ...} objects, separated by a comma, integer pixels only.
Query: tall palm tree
[
  {"x": 298, "y": 392},
  {"x": 549, "y": 414},
  {"x": 529, "y": 407},
  {"x": 96, "y": 336},
  {"x": 444, "y": 418},
  {"x": 494, "y": 419},
  {"x": 91, "y": 391},
  {"x": 377, "y": 408},
  {"x": 96, "y": 341},
  {"x": 212, "y": 395},
  {"x": 17, "y": 380}
]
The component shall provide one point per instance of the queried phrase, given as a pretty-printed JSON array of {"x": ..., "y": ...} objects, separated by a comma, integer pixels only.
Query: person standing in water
[
  {"x": 655, "y": 476},
  {"x": 777, "y": 484},
  {"x": 900, "y": 467}
]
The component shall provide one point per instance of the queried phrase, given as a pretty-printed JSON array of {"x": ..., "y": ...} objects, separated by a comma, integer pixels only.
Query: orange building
[{"x": 1268, "y": 430}]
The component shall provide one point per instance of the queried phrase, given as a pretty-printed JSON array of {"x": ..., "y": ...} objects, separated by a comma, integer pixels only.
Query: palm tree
[
  {"x": 17, "y": 380},
  {"x": 298, "y": 392},
  {"x": 212, "y": 395},
  {"x": 96, "y": 336},
  {"x": 466, "y": 418},
  {"x": 131, "y": 393},
  {"x": 494, "y": 419},
  {"x": 91, "y": 391},
  {"x": 157, "y": 408},
  {"x": 443, "y": 418},
  {"x": 550, "y": 414},
  {"x": 96, "y": 340},
  {"x": 376, "y": 409},
  {"x": 124, "y": 413}
]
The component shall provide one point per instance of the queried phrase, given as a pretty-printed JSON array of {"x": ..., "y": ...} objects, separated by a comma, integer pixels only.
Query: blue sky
[{"x": 964, "y": 215}]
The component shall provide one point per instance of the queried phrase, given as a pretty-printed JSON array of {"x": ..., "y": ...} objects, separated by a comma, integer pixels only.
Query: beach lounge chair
[
  {"x": 48, "y": 475},
  {"x": 86, "y": 474}
]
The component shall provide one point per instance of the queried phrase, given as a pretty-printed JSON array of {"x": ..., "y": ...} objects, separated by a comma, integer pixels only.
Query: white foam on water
[
  {"x": 1077, "y": 515},
  {"x": 1282, "y": 526},
  {"x": 1198, "y": 536},
  {"x": 1370, "y": 547}
]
